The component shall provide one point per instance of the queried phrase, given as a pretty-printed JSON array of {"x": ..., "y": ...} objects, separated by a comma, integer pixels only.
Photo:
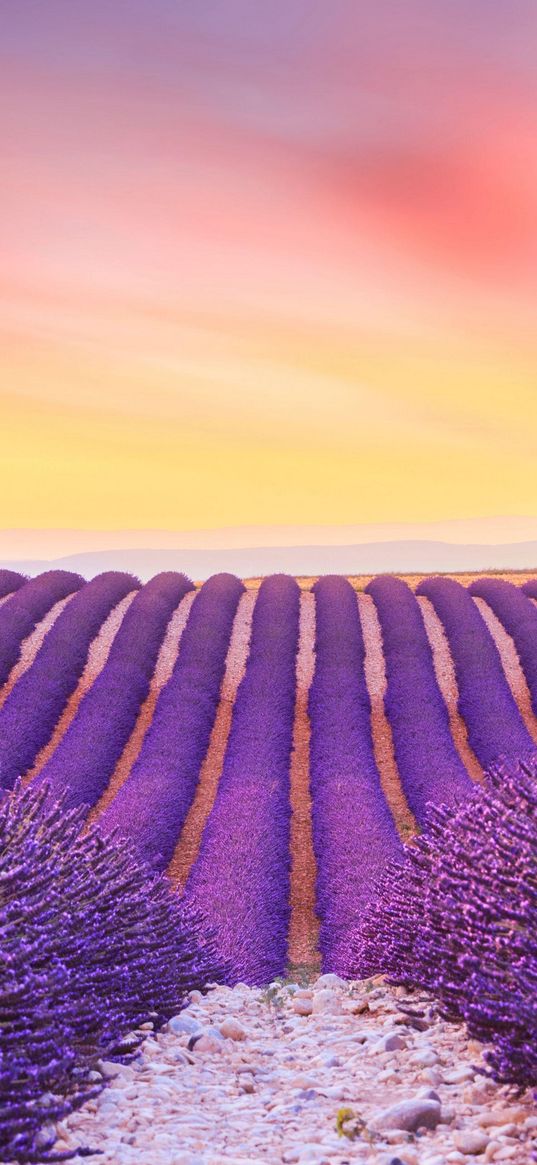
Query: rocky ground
[{"x": 329, "y": 1073}]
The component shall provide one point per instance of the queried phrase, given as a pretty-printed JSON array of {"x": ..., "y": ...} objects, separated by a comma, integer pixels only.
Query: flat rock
[{"x": 418, "y": 1113}]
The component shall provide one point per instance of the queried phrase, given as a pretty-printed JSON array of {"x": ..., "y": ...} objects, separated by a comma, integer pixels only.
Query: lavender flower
[
  {"x": 86, "y": 756},
  {"x": 152, "y": 804},
  {"x": 10, "y": 581},
  {"x": 428, "y": 762},
  {"x": 29, "y": 604},
  {"x": 92, "y": 946},
  {"x": 495, "y": 726},
  {"x": 35, "y": 704},
  {"x": 518, "y": 614},
  {"x": 458, "y": 918},
  {"x": 241, "y": 876},
  {"x": 353, "y": 831}
]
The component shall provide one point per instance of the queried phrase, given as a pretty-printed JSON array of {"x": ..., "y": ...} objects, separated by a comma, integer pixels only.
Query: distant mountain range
[{"x": 400, "y": 557}]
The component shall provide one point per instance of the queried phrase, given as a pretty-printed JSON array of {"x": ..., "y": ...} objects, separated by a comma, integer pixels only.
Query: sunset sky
[{"x": 267, "y": 264}]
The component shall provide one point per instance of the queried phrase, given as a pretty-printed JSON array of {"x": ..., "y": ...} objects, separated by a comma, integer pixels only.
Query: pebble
[
  {"x": 392, "y": 1042},
  {"x": 235, "y": 1080},
  {"x": 470, "y": 1141},
  {"x": 326, "y": 1002},
  {"x": 231, "y": 1029},
  {"x": 302, "y": 1005},
  {"x": 417, "y": 1113}
]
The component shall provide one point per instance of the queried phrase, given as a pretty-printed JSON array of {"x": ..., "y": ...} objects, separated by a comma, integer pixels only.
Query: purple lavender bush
[
  {"x": 457, "y": 917},
  {"x": 495, "y": 726},
  {"x": 519, "y": 617},
  {"x": 92, "y": 946},
  {"x": 354, "y": 833},
  {"x": 241, "y": 875},
  {"x": 83, "y": 762},
  {"x": 152, "y": 805},
  {"x": 427, "y": 760},
  {"x": 10, "y": 581},
  {"x": 35, "y": 704},
  {"x": 24, "y": 609}
]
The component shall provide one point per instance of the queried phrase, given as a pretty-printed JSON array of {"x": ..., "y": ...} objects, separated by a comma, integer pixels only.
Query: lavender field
[{"x": 273, "y": 795}]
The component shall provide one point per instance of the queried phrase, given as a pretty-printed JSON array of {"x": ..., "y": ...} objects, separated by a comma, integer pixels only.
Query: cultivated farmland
[{"x": 269, "y": 747}]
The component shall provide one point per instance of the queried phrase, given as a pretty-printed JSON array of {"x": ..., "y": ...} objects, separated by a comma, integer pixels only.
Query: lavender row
[
  {"x": 87, "y": 754},
  {"x": 493, "y": 721},
  {"x": 353, "y": 830},
  {"x": 30, "y": 604},
  {"x": 429, "y": 765},
  {"x": 519, "y": 617},
  {"x": 153, "y": 803},
  {"x": 10, "y": 581},
  {"x": 35, "y": 704},
  {"x": 242, "y": 875},
  {"x": 530, "y": 588}
]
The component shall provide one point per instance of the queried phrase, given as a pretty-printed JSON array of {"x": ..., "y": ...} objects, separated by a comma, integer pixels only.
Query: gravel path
[{"x": 250, "y": 1075}]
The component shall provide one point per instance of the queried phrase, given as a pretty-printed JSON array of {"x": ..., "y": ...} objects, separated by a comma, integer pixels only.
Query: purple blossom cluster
[
  {"x": 241, "y": 876},
  {"x": 83, "y": 762},
  {"x": 10, "y": 581},
  {"x": 32, "y": 709},
  {"x": 428, "y": 763},
  {"x": 519, "y": 617},
  {"x": 495, "y": 726},
  {"x": 457, "y": 917},
  {"x": 92, "y": 947},
  {"x": 353, "y": 831},
  {"x": 152, "y": 804},
  {"x": 30, "y": 604}
]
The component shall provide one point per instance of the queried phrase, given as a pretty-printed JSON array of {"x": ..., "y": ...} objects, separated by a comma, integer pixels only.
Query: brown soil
[
  {"x": 360, "y": 581},
  {"x": 164, "y": 666},
  {"x": 375, "y": 677},
  {"x": 446, "y": 679},
  {"x": 30, "y": 647},
  {"x": 511, "y": 665},
  {"x": 189, "y": 842},
  {"x": 304, "y": 923},
  {"x": 98, "y": 652}
]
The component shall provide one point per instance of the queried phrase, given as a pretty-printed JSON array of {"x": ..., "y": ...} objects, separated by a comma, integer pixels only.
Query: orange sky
[{"x": 267, "y": 265}]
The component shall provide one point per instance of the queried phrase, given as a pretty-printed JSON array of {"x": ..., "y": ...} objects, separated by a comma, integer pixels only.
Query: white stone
[
  {"x": 183, "y": 1024},
  {"x": 329, "y": 980},
  {"x": 391, "y": 1042},
  {"x": 231, "y": 1029},
  {"x": 302, "y": 1005},
  {"x": 417, "y": 1113},
  {"x": 326, "y": 1002},
  {"x": 470, "y": 1141}
]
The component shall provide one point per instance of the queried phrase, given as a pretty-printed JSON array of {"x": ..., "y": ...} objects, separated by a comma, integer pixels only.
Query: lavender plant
[
  {"x": 24, "y": 609},
  {"x": 152, "y": 805},
  {"x": 87, "y": 754},
  {"x": 457, "y": 916},
  {"x": 427, "y": 760},
  {"x": 354, "y": 833},
  {"x": 10, "y": 581},
  {"x": 92, "y": 945},
  {"x": 33, "y": 707},
  {"x": 241, "y": 874},
  {"x": 494, "y": 723}
]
